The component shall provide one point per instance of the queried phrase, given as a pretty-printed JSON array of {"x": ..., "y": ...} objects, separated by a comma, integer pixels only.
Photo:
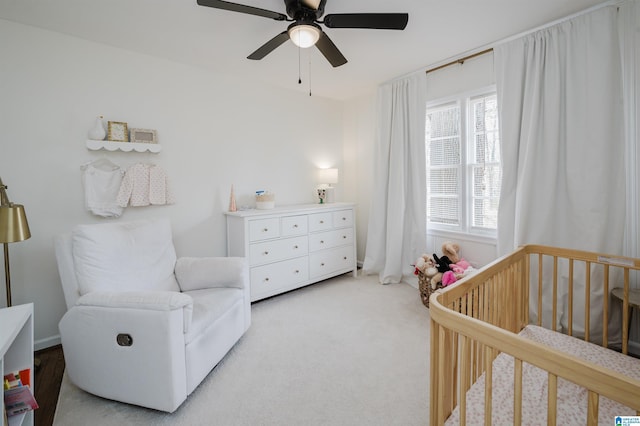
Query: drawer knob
[
  {"x": 295, "y": 247},
  {"x": 297, "y": 271},
  {"x": 266, "y": 279},
  {"x": 295, "y": 226},
  {"x": 322, "y": 221},
  {"x": 321, "y": 241},
  {"x": 344, "y": 236},
  {"x": 344, "y": 218},
  {"x": 265, "y": 230},
  {"x": 345, "y": 258},
  {"x": 266, "y": 253},
  {"x": 322, "y": 264}
]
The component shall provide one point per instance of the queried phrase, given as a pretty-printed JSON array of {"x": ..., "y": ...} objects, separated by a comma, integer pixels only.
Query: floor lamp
[{"x": 13, "y": 228}]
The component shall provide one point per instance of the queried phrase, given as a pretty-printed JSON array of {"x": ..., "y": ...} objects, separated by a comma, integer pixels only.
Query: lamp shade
[
  {"x": 328, "y": 176},
  {"x": 13, "y": 224}
]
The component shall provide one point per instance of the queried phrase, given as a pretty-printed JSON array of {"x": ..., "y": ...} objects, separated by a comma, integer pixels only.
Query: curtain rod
[{"x": 460, "y": 61}]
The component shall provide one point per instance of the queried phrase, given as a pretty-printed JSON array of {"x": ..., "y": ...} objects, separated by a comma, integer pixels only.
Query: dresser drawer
[
  {"x": 343, "y": 219},
  {"x": 330, "y": 239},
  {"x": 264, "y": 229},
  {"x": 329, "y": 261},
  {"x": 294, "y": 225},
  {"x": 275, "y": 250},
  {"x": 266, "y": 280},
  {"x": 320, "y": 221}
]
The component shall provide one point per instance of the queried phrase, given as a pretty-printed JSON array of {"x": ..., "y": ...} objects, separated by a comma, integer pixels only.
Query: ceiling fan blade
[
  {"x": 269, "y": 46},
  {"x": 376, "y": 21},
  {"x": 330, "y": 51},
  {"x": 234, "y": 7}
]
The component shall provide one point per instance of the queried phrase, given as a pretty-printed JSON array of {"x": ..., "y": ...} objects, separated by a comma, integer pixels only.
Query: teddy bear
[
  {"x": 426, "y": 265},
  {"x": 452, "y": 251}
]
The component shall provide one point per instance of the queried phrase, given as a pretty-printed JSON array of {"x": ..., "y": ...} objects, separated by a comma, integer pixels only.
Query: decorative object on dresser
[
  {"x": 13, "y": 228},
  {"x": 326, "y": 192},
  {"x": 232, "y": 201},
  {"x": 143, "y": 326},
  {"x": 293, "y": 246},
  {"x": 265, "y": 200}
]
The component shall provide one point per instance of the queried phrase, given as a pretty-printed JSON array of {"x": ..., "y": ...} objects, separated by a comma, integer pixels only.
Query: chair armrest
[
  {"x": 195, "y": 273},
  {"x": 142, "y": 300},
  {"x": 151, "y": 300}
]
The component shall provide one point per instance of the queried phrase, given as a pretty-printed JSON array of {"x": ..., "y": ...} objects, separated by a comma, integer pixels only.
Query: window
[{"x": 463, "y": 163}]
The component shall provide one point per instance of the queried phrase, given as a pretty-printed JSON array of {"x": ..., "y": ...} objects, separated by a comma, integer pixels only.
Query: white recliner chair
[{"x": 141, "y": 326}]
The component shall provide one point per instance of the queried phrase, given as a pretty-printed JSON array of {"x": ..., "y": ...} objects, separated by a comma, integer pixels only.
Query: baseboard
[{"x": 46, "y": 343}]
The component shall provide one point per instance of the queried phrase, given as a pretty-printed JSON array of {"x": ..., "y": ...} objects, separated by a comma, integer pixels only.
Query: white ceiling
[{"x": 220, "y": 40}]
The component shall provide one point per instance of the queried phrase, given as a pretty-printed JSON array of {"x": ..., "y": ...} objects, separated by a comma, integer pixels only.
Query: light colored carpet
[{"x": 347, "y": 351}]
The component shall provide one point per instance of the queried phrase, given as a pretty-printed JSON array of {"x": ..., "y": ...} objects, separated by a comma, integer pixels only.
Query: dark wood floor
[{"x": 48, "y": 378}]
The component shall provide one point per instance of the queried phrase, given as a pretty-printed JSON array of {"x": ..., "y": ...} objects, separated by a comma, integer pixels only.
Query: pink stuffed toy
[
  {"x": 459, "y": 267},
  {"x": 448, "y": 278}
]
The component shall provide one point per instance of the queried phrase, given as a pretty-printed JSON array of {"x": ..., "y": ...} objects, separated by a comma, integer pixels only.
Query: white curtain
[
  {"x": 629, "y": 22},
  {"x": 397, "y": 220},
  {"x": 560, "y": 100}
]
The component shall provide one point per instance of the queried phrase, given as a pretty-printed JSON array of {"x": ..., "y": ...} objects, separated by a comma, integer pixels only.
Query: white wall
[
  {"x": 359, "y": 147},
  {"x": 215, "y": 131}
]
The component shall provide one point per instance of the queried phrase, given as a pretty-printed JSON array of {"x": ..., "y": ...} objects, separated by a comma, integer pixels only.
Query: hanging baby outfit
[
  {"x": 144, "y": 184},
  {"x": 101, "y": 180}
]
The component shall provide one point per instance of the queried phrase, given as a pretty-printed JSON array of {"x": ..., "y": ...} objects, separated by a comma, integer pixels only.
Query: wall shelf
[{"x": 123, "y": 146}]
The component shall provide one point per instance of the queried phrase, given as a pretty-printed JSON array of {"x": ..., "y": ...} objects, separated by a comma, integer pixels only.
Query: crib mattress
[{"x": 572, "y": 399}]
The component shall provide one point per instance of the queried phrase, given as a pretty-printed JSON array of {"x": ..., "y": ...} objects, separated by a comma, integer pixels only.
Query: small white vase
[{"x": 97, "y": 132}]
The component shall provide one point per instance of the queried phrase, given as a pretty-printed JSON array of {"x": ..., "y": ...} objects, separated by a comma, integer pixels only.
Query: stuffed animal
[
  {"x": 427, "y": 266},
  {"x": 459, "y": 267},
  {"x": 442, "y": 263},
  {"x": 448, "y": 278},
  {"x": 452, "y": 251}
]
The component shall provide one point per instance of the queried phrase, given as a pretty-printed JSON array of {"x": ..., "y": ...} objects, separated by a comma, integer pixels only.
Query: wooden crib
[{"x": 477, "y": 328}]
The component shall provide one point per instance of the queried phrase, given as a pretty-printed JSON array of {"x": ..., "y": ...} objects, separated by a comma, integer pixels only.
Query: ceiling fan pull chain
[
  {"x": 299, "y": 73},
  {"x": 309, "y": 74}
]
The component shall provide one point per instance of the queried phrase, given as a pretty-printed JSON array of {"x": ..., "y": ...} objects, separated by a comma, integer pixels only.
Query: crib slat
[
  {"x": 605, "y": 309},
  {"x": 540, "y": 289},
  {"x": 552, "y": 400},
  {"x": 517, "y": 392},
  {"x": 625, "y": 313},
  {"x": 587, "y": 298},
  {"x": 527, "y": 289},
  {"x": 554, "y": 317},
  {"x": 592, "y": 409},
  {"x": 465, "y": 378},
  {"x": 570, "y": 290},
  {"x": 488, "y": 386},
  {"x": 435, "y": 414}
]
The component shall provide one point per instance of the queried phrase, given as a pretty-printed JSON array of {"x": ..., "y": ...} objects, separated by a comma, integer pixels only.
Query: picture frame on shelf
[
  {"x": 144, "y": 136},
  {"x": 117, "y": 131}
]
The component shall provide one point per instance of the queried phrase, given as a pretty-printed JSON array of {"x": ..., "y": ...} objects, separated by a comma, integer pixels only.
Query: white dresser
[{"x": 293, "y": 246}]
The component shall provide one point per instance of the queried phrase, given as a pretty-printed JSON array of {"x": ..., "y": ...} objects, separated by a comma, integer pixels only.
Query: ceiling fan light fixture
[{"x": 304, "y": 35}]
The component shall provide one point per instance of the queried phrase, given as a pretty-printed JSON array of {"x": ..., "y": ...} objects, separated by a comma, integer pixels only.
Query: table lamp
[
  {"x": 326, "y": 192},
  {"x": 13, "y": 228}
]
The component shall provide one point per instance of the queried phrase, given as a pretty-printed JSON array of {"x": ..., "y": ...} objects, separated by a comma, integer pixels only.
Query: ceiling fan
[{"x": 305, "y": 30}]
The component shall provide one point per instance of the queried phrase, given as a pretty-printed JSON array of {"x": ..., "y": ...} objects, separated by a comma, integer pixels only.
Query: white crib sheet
[{"x": 572, "y": 399}]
